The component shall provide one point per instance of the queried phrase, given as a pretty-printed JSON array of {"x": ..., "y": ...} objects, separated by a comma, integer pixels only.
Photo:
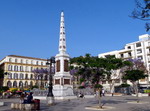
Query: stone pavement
[{"x": 119, "y": 104}]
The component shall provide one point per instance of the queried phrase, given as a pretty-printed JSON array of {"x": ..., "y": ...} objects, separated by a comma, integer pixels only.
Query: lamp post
[{"x": 50, "y": 96}]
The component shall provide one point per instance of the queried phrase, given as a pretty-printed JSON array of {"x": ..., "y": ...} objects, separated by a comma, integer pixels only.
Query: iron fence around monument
[{"x": 85, "y": 91}]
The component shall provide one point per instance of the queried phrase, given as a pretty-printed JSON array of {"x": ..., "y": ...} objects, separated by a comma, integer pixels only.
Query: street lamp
[{"x": 50, "y": 96}]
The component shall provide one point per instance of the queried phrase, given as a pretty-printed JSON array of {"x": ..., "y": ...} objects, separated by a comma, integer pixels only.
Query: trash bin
[
  {"x": 148, "y": 94},
  {"x": 37, "y": 104}
]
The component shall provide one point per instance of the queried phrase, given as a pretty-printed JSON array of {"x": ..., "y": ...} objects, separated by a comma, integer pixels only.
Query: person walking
[
  {"x": 22, "y": 96},
  {"x": 103, "y": 92}
]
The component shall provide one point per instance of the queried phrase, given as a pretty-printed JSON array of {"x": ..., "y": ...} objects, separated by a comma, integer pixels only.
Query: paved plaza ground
[{"x": 119, "y": 104}]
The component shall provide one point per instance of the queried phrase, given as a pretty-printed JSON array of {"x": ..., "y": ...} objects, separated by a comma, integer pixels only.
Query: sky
[{"x": 31, "y": 27}]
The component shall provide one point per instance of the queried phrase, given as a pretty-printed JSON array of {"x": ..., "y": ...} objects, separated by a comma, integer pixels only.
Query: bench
[
  {"x": 27, "y": 107},
  {"x": 2, "y": 103}
]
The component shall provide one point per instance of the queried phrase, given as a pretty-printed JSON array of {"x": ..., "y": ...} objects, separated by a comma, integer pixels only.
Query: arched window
[
  {"x": 9, "y": 84},
  {"x": 31, "y": 77},
  {"x": 20, "y": 84},
  {"x": 14, "y": 84},
  {"x": 31, "y": 84},
  {"x": 26, "y": 84},
  {"x": 26, "y": 76}
]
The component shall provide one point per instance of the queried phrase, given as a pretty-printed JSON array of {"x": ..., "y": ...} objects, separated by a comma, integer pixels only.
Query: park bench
[
  {"x": 28, "y": 107},
  {"x": 20, "y": 106},
  {"x": 2, "y": 103}
]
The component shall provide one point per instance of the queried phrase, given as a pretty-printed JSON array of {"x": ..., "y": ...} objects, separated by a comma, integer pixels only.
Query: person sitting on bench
[{"x": 29, "y": 99}]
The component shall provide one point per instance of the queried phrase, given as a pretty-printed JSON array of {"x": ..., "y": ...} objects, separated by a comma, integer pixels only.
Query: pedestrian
[
  {"x": 29, "y": 98},
  {"x": 103, "y": 92},
  {"x": 22, "y": 96}
]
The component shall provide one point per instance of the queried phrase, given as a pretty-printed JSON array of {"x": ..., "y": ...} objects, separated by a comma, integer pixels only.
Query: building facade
[
  {"x": 135, "y": 50},
  {"x": 20, "y": 71}
]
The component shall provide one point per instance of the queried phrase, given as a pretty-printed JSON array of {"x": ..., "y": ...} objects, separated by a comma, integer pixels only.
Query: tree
[
  {"x": 112, "y": 66},
  {"x": 40, "y": 74},
  {"x": 1, "y": 76},
  {"x": 142, "y": 12},
  {"x": 134, "y": 73},
  {"x": 95, "y": 70},
  {"x": 91, "y": 70}
]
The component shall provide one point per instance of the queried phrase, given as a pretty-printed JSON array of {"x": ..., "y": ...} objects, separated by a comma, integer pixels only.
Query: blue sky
[{"x": 31, "y": 27}]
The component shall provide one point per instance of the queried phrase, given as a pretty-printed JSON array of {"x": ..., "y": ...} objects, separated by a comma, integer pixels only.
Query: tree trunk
[
  {"x": 99, "y": 98},
  {"x": 112, "y": 87},
  {"x": 136, "y": 91}
]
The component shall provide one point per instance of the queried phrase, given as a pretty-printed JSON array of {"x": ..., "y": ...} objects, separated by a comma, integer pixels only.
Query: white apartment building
[
  {"x": 20, "y": 71},
  {"x": 135, "y": 50}
]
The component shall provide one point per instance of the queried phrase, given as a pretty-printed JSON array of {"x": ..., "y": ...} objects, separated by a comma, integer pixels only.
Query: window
[
  {"x": 10, "y": 76},
  {"x": 14, "y": 84},
  {"x": 21, "y": 76},
  {"x": 103, "y": 82},
  {"x": 26, "y": 61},
  {"x": 31, "y": 69},
  {"x": 129, "y": 54},
  {"x": 10, "y": 60},
  {"x": 16, "y": 60},
  {"x": 37, "y": 62},
  {"x": 26, "y": 68},
  {"x": 31, "y": 77},
  {"x": 138, "y": 44},
  {"x": 21, "y": 68},
  {"x": 139, "y": 51},
  {"x": 129, "y": 47},
  {"x": 21, "y": 61},
  {"x": 41, "y": 63},
  {"x": 26, "y": 76},
  {"x": 15, "y": 68},
  {"x": 9, "y": 67},
  {"x": 140, "y": 57},
  {"x": 15, "y": 76},
  {"x": 121, "y": 55},
  {"x": 117, "y": 81}
]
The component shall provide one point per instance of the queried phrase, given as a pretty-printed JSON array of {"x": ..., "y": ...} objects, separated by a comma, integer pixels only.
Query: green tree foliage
[
  {"x": 124, "y": 85},
  {"x": 142, "y": 12},
  {"x": 1, "y": 76},
  {"x": 95, "y": 70},
  {"x": 134, "y": 75},
  {"x": 1, "y": 73}
]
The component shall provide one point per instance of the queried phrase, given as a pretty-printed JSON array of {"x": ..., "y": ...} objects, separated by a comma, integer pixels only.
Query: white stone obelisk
[{"x": 62, "y": 85}]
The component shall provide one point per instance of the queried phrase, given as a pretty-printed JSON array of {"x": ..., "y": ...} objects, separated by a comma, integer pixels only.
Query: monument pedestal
[
  {"x": 62, "y": 91},
  {"x": 50, "y": 100}
]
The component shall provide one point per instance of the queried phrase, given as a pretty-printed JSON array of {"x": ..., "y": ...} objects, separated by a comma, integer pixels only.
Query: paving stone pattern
[{"x": 119, "y": 104}]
